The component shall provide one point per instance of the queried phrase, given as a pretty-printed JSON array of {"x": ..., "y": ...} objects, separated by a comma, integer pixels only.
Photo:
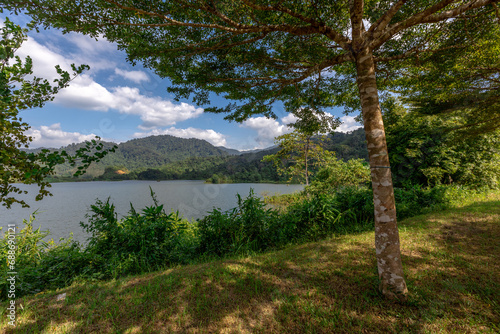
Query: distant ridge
[
  {"x": 157, "y": 151},
  {"x": 148, "y": 152},
  {"x": 230, "y": 151}
]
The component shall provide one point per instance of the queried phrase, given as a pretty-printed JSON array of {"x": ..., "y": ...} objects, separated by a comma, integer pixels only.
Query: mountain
[
  {"x": 348, "y": 145},
  {"x": 230, "y": 151},
  {"x": 148, "y": 152},
  {"x": 179, "y": 158},
  {"x": 155, "y": 151}
]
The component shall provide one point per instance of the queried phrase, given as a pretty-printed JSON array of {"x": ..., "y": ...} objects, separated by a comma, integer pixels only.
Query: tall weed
[
  {"x": 142, "y": 241},
  {"x": 248, "y": 227},
  {"x": 39, "y": 264}
]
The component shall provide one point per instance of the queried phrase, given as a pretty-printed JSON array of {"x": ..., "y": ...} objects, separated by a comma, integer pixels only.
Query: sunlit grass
[{"x": 451, "y": 260}]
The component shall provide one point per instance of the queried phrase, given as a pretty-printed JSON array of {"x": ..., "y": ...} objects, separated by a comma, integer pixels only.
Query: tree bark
[
  {"x": 388, "y": 253},
  {"x": 306, "y": 157}
]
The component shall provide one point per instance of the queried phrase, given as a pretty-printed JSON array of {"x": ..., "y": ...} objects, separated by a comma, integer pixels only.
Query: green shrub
[
  {"x": 358, "y": 201},
  {"x": 140, "y": 242},
  {"x": 414, "y": 200},
  {"x": 40, "y": 264},
  {"x": 337, "y": 174},
  {"x": 248, "y": 227}
]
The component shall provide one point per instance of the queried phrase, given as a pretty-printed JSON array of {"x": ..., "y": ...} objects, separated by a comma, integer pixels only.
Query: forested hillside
[
  {"x": 149, "y": 152},
  {"x": 170, "y": 158},
  {"x": 348, "y": 145}
]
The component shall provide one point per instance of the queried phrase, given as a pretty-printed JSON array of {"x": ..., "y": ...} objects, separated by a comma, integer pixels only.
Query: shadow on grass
[{"x": 452, "y": 268}]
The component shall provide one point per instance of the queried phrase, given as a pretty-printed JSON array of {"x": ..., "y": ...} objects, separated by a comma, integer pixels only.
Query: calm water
[{"x": 62, "y": 213}]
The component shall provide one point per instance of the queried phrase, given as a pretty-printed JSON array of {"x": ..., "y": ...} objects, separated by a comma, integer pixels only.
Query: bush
[
  {"x": 337, "y": 174},
  {"x": 248, "y": 227},
  {"x": 414, "y": 200},
  {"x": 141, "y": 242},
  {"x": 40, "y": 264},
  {"x": 309, "y": 219}
]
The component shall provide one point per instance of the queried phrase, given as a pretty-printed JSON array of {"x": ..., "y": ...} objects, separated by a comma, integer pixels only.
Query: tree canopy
[
  {"x": 260, "y": 51},
  {"x": 299, "y": 152},
  {"x": 458, "y": 83},
  {"x": 428, "y": 150}
]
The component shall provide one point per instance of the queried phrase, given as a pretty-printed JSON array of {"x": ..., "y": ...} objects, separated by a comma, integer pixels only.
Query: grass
[{"x": 451, "y": 260}]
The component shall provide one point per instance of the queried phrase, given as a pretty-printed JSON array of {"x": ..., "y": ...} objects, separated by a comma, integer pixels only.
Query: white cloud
[
  {"x": 348, "y": 124},
  {"x": 47, "y": 56},
  {"x": 54, "y": 136},
  {"x": 288, "y": 119},
  {"x": 84, "y": 93},
  {"x": 44, "y": 59},
  {"x": 267, "y": 129},
  {"x": 215, "y": 138},
  {"x": 98, "y": 54},
  {"x": 135, "y": 76},
  {"x": 89, "y": 45}
]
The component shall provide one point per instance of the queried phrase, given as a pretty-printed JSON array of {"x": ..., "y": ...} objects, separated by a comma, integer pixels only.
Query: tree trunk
[
  {"x": 388, "y": 253},
  {"x": 306, "y": 157}
]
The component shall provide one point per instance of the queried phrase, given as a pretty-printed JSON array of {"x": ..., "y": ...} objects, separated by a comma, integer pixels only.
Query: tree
[
  {"x": 459, "y": 84},
  {"x": 429, "y": 150},
  {"x": 313, "y": 54},
  {"x": 298, "y": 149},
  {"x": 18, "y": 93},
  {"x": 337, "y": 173},
  {"x": 298, "y": 154}
]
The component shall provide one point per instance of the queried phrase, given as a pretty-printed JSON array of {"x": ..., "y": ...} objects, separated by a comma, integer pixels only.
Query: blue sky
[{"x": 119, "y": 102}]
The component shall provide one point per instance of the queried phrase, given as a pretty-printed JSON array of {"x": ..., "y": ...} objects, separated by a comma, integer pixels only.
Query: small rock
[{"x": 62, "y": 296}]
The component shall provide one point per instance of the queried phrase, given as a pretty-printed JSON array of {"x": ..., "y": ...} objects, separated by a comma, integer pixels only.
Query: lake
[{"x": 63, "y": 212}]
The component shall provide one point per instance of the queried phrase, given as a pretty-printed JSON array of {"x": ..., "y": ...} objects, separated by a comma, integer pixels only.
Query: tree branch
[
  {"x": 302, "y": 76},
  {"x": 222, "y": 45},
  {"x": 392, "y": 30},
  {"x": 356, "y": 12},
  {"x": 408, "y": 53},
  {"x": 378, "y": 27},
  {"x": 457, "y": 11}
]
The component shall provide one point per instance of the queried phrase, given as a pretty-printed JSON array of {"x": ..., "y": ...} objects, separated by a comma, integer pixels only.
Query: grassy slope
[{"x": 451, "y": 258}]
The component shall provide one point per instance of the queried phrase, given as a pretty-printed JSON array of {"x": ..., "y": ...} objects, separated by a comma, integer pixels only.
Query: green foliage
[
  {"x": 314, "y": 218},
  {"x": 299, "y": 153},
  {"x": 216, "y": 179},
  {"x": 248, "y": 227},
  {"x": 409, "y": 201},
  {"x": 424, "y": 150},
  {"x": 337, "y": 174},
  {"x": 39, "y": 264},
  {"x": 348, "y": 146},
  {"x": 152, "y": 174},
  {"x": 141, "y": 242},
  {"x": 17, "y": 93},
  {"x": 299, "y": 156},
  {"x": 415, "y": 200},
  {"x": 459, "y": 82}
]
